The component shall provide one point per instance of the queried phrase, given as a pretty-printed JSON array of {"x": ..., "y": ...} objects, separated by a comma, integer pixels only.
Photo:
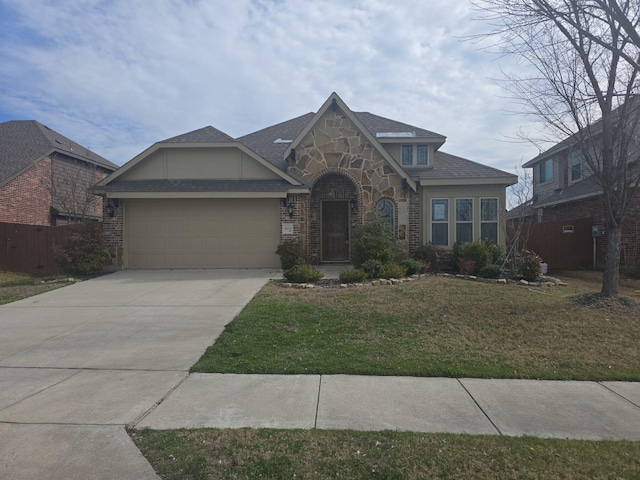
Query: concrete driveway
[{"x": 80, "y": 363}]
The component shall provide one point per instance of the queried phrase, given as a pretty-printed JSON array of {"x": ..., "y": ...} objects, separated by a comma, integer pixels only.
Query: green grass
[
  {"x": 16, "y": 286},
  {"x": 432, "y": 327},
  {"x": 318, "y": 454}
]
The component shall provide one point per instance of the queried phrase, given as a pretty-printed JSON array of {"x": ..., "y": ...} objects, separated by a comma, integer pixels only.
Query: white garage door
[{"x": 201, "y": 233}]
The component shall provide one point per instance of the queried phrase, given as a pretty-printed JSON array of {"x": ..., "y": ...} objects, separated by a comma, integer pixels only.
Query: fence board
[
  {"x": 563, "y": 251},
  {"x": 30, "y": 248}
]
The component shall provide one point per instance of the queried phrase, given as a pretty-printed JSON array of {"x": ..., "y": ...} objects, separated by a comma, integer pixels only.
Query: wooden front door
[{"x": 335, "y": 231}]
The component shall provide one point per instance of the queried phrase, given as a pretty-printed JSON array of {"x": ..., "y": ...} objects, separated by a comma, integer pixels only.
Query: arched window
[{"x": 387, "y": 213}]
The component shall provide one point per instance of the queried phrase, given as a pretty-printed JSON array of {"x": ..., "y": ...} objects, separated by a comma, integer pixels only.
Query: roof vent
[
  {"x": 279, "y": 140},
  {"x": 58, "y": 142},
  {"x": 395, "y": 134}
]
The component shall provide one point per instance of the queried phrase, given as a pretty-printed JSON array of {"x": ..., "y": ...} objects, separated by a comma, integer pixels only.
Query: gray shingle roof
[
  {"x": 188, "y": 185},
  {"x": 262, "y": 141},
  {"x": 447, "y": 166},
  {"x": 207, "y": 134},
  {"x": 23, "y": 142},
  {"x": 377, "y": 124},
  {"x": 587, "y": 187}
]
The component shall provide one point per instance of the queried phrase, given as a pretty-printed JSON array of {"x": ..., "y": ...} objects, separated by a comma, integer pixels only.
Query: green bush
[
  {"x": 353, "y": 275},
  {"x": 476, "y": 251},
  {"x": 497, "y": 252},
  {"x": 491, "y": 271},
  {"x": 393, "y": 270},
  {"x": 291, "y": 254},
  {"x": 372, "y": 268},
  {"x": 84, "y": 253},
  {"x": 303, "y": 274},
  {"x": 431, "y": 255},
  {"x": 372, "y": 241},
  {"x": 529, "y": 266},
  {"x": 412, "y": 266}
]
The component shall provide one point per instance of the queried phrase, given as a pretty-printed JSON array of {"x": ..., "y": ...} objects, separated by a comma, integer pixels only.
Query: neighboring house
[
  {"x": 204, "y": 199},
  {"x": 45, "y": 178},
  {"x": 565, "y": 189}
]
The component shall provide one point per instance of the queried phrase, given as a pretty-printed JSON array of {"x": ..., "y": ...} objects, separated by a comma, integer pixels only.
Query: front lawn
[
  {"x": 433, "y": 327},
  {"x": 318, "y": 454},
  {"x": 16, "y": 286}
]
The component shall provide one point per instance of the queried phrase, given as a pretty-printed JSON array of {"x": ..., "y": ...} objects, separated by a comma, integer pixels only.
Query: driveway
[{"x": 80, "y": 363}]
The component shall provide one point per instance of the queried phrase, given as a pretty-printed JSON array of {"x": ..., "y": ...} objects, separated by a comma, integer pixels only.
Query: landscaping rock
[
  {"x": 523, "y": 282},
  {"x": 502, "y": 281}
]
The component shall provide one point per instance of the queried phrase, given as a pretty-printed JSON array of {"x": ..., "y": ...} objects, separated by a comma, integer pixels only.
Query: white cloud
[{"x": 119, "y": 75}]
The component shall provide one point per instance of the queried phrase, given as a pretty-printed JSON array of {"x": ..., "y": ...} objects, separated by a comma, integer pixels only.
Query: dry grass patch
[
  {"x": 16, "y": 286},
  {"x": 431, "y": 327}
]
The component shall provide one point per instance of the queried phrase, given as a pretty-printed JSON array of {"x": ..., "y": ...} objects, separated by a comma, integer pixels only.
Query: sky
[{"x": 117, "y": 76}]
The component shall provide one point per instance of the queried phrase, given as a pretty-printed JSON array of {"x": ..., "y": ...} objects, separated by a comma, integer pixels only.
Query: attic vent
[
  {"x": 395, "y": 134},
  {"x": 58, "y": 142},
  {"x": 279, "y": 140}
]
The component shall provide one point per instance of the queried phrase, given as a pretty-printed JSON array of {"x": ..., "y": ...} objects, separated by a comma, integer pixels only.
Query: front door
[{"x": 335, "y": 231}]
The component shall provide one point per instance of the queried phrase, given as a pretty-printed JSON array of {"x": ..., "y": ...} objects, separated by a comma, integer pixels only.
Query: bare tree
[
  {"x": 584, "y": 87},
  {"x": 520, "y": 219}
]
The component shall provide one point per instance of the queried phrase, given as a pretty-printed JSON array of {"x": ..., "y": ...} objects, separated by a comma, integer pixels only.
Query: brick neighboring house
[
  {"x": 46, "y": 178},
  {"x": 565, "y": 189},
  {"x": 206, "y": 200}
]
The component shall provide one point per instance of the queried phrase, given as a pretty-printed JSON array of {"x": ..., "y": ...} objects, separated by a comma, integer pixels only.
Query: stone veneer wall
[{"x": 336, "y": 147}]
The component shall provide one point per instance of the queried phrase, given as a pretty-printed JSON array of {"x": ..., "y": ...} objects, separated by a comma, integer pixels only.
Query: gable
[{"x": 208, "y": 163}]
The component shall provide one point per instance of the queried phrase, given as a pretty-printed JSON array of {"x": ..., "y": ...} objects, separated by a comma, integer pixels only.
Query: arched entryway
[{"x": 335, "y": 212}]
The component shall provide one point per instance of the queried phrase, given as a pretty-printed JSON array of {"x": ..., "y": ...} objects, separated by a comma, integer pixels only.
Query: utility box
[{"x": 597, "y": 230}]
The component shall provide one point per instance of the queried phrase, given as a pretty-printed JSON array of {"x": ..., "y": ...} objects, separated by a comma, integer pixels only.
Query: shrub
[
  {"x": 372, "y": 241},
  {"x": 529, "y": 266},
  {"x": 372, "y": 268},
  {"x": 353, "y": 275},
  {"x": 303, "y": 273},
  {"x": 291, "y": 254},
  {"x": 431, "y": 255},
  {"x": 491, "y": 271},
  {"x": 393, "y": 270},
  {"x": 466, "y": 266},
  {"x": 412, "y": 266},
  {"x": 476, "y": 251},
  {"x": 84, "y": 253},
  {"x": 497, "y": 252}
]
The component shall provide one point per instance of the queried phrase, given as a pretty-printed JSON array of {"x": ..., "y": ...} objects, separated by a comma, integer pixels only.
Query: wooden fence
[
  {"x": 30, "y": 248},
  {"x": 564, "y": 245}
]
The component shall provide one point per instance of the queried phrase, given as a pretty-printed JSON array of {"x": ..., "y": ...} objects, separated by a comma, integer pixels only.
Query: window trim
[
  {"x": 465, "y": 222},
  {"x": 414, "y": 155},
  {"x": 496, "y": 221},
  {"x": 440, "y": 222}
]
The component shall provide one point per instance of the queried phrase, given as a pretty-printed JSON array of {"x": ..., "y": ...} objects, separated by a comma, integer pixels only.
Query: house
[
  {"x": 46, "y": 178},
  {"x": 206, "y": 200},
  {"x": 566, "y": 191}
]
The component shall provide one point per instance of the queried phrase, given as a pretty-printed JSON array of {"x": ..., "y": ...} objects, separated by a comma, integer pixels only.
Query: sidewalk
[{"x": 548, "y": 409}]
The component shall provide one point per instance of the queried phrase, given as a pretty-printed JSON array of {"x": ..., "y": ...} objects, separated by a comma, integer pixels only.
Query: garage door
[{"x": 201, "y": 233}]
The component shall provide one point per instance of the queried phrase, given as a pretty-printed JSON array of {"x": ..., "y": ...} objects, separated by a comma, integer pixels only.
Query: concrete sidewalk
[{"x": 548, "y": 409}]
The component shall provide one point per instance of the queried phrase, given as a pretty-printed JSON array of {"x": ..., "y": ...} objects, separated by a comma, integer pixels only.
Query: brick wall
[
  {"x": 27, "y": 198},
  {"x": 113, "y": 231},
  {"x": 594, "y": 208}
]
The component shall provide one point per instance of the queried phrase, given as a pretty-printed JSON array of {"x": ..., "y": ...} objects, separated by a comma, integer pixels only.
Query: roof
[
  {"x": 377, "y": 124},
  {"x": 587, "y": 187},
  {"x": 447, "y": 166},
  {"x": 24, "y": 142},
  {"x": 188, "y": 185}
]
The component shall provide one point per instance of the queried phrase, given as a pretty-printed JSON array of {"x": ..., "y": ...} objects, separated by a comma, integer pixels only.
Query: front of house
[{"x": 206, "y": 200}]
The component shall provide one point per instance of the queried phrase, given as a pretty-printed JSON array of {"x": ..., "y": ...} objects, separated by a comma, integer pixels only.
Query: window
[
  {"x": 440, "y": 221},
  {"x": 575, "y": 164},
  {"x": 407, "y": 154},
  {"x": 387, "y": 213},
  {"x": 464, "y": 220},
  {"x": 546, "y": 171},
  {"x": 489, "y": 219},
  {"x": 423, "y": 154}
]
